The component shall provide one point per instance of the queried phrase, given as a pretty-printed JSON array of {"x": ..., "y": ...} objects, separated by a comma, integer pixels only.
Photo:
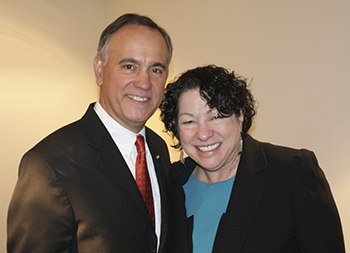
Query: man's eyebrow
[
  {"x": 129, "y": 60},
  {"x": 132, "y": 60},
  {"x": 158, "y": 64}
]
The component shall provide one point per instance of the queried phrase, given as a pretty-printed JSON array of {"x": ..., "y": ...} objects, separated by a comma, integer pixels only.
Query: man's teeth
[
  {"x": 208, "y": 148},
  {"x": 138, "y": 98}
]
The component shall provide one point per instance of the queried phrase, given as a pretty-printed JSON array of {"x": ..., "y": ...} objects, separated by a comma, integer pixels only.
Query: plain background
[{"x": 295, "y": 54}]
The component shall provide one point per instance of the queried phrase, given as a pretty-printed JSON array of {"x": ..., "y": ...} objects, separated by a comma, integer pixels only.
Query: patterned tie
[{"x": 142, "y": 176}]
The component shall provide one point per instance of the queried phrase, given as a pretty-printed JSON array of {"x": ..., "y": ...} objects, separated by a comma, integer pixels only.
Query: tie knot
[{"x": 140, "y": 143}]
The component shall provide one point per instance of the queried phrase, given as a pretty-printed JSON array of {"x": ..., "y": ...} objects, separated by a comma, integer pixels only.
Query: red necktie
[{"x": 142, "y": 176}]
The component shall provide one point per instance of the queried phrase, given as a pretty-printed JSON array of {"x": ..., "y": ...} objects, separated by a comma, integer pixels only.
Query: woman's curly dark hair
[{"x": 221, "y": 89}]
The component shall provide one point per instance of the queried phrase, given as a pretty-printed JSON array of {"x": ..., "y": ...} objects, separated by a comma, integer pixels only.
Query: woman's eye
[{"x": 188, "y": 122}]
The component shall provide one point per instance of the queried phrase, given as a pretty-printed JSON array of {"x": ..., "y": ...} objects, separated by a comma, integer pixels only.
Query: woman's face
[{"x": 211, "y": 141}]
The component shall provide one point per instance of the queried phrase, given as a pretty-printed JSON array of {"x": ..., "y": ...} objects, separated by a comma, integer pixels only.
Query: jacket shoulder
[
  {"x": 282, "y": 154},
  {"x": 72, "y": 135},
  {"x": 154, "y": 137},
  {"x": 60, "y": 138},
  {"x": 181, "y": 171}
]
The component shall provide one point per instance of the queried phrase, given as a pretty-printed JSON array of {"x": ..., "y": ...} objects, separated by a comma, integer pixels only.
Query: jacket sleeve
[
  {"x": 317, "y": 222},
  {"x": 40, "y": 217}
]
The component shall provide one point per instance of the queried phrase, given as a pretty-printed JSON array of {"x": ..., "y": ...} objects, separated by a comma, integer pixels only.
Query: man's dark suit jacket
[
  {"x": 280, "y": 202},
  {"x": 75, "y": 193}
]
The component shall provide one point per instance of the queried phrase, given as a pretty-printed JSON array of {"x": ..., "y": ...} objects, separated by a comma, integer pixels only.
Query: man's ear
[{"x": 98, "y": 69}]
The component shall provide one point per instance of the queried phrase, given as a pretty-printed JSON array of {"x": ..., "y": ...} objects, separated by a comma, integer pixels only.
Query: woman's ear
[
  {"x": 98, "y": 69},
  {"x": 241, "y": 119}
]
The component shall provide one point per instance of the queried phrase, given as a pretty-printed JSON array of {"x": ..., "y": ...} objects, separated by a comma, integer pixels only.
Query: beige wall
[
  {"x": 295, "y": 52},
  {"x": 297, "y": 55},
  {"x": 46, "y": 78}
]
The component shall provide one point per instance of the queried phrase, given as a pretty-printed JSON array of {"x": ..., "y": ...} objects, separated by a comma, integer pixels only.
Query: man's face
[{"x": 132, "y": 82}]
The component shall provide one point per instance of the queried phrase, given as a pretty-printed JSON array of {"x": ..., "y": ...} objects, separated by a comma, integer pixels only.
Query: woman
[{"x": 234, "y": 193}]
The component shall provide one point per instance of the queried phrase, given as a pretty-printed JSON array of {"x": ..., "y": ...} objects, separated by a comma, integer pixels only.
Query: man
[{"x": 76, "y": 190}]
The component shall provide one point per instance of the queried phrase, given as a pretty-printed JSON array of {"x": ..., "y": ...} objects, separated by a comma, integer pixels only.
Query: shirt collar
[{"x": 123, "y": 138}]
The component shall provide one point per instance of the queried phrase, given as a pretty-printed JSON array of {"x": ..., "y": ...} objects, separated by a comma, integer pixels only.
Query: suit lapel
[
  {"x": 161, "y": 165},
  {"x": 111, "y": 162},
  {"x": 113, "y": 165},
  {"x": 244, "y": 201},
  {"x": 157, "y": 158}
]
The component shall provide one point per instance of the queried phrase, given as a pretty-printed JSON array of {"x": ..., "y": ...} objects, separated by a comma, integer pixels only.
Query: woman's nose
[{"x": 204, "y": 132}]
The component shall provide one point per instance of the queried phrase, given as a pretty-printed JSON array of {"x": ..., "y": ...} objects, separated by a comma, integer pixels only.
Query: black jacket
[
  {"x": 75, "y": 193},
  {"x": 280, "y": 202}
]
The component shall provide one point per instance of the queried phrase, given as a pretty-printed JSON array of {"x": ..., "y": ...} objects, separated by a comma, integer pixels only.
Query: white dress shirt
[{"x": 125, "y": 141}]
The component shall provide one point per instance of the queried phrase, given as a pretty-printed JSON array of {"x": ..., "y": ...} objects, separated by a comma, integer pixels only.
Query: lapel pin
[{"x": 157, "y": 157}]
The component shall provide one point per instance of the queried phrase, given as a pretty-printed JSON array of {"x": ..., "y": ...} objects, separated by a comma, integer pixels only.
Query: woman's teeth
[{"x": 208, "y": 148}]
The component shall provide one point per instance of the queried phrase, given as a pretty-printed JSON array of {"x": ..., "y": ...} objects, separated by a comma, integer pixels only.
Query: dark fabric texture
[
  {"x": 75, "y": 193},
  {"x": 280, "y": 202}
]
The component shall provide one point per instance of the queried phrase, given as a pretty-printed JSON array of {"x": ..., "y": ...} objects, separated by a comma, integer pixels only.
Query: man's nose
[{"x": 143, "y": 80}]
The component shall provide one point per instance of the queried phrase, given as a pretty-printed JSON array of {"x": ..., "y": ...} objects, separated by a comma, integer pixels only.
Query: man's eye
[
  {"x": 128, "y": 66},
  {"x": 157, "y": 71}
]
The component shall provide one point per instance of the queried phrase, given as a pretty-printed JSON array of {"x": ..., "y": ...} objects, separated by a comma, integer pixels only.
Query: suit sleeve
[
  {"x": 317, "y": 222},
  {"x": 40, "y": 217}
]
